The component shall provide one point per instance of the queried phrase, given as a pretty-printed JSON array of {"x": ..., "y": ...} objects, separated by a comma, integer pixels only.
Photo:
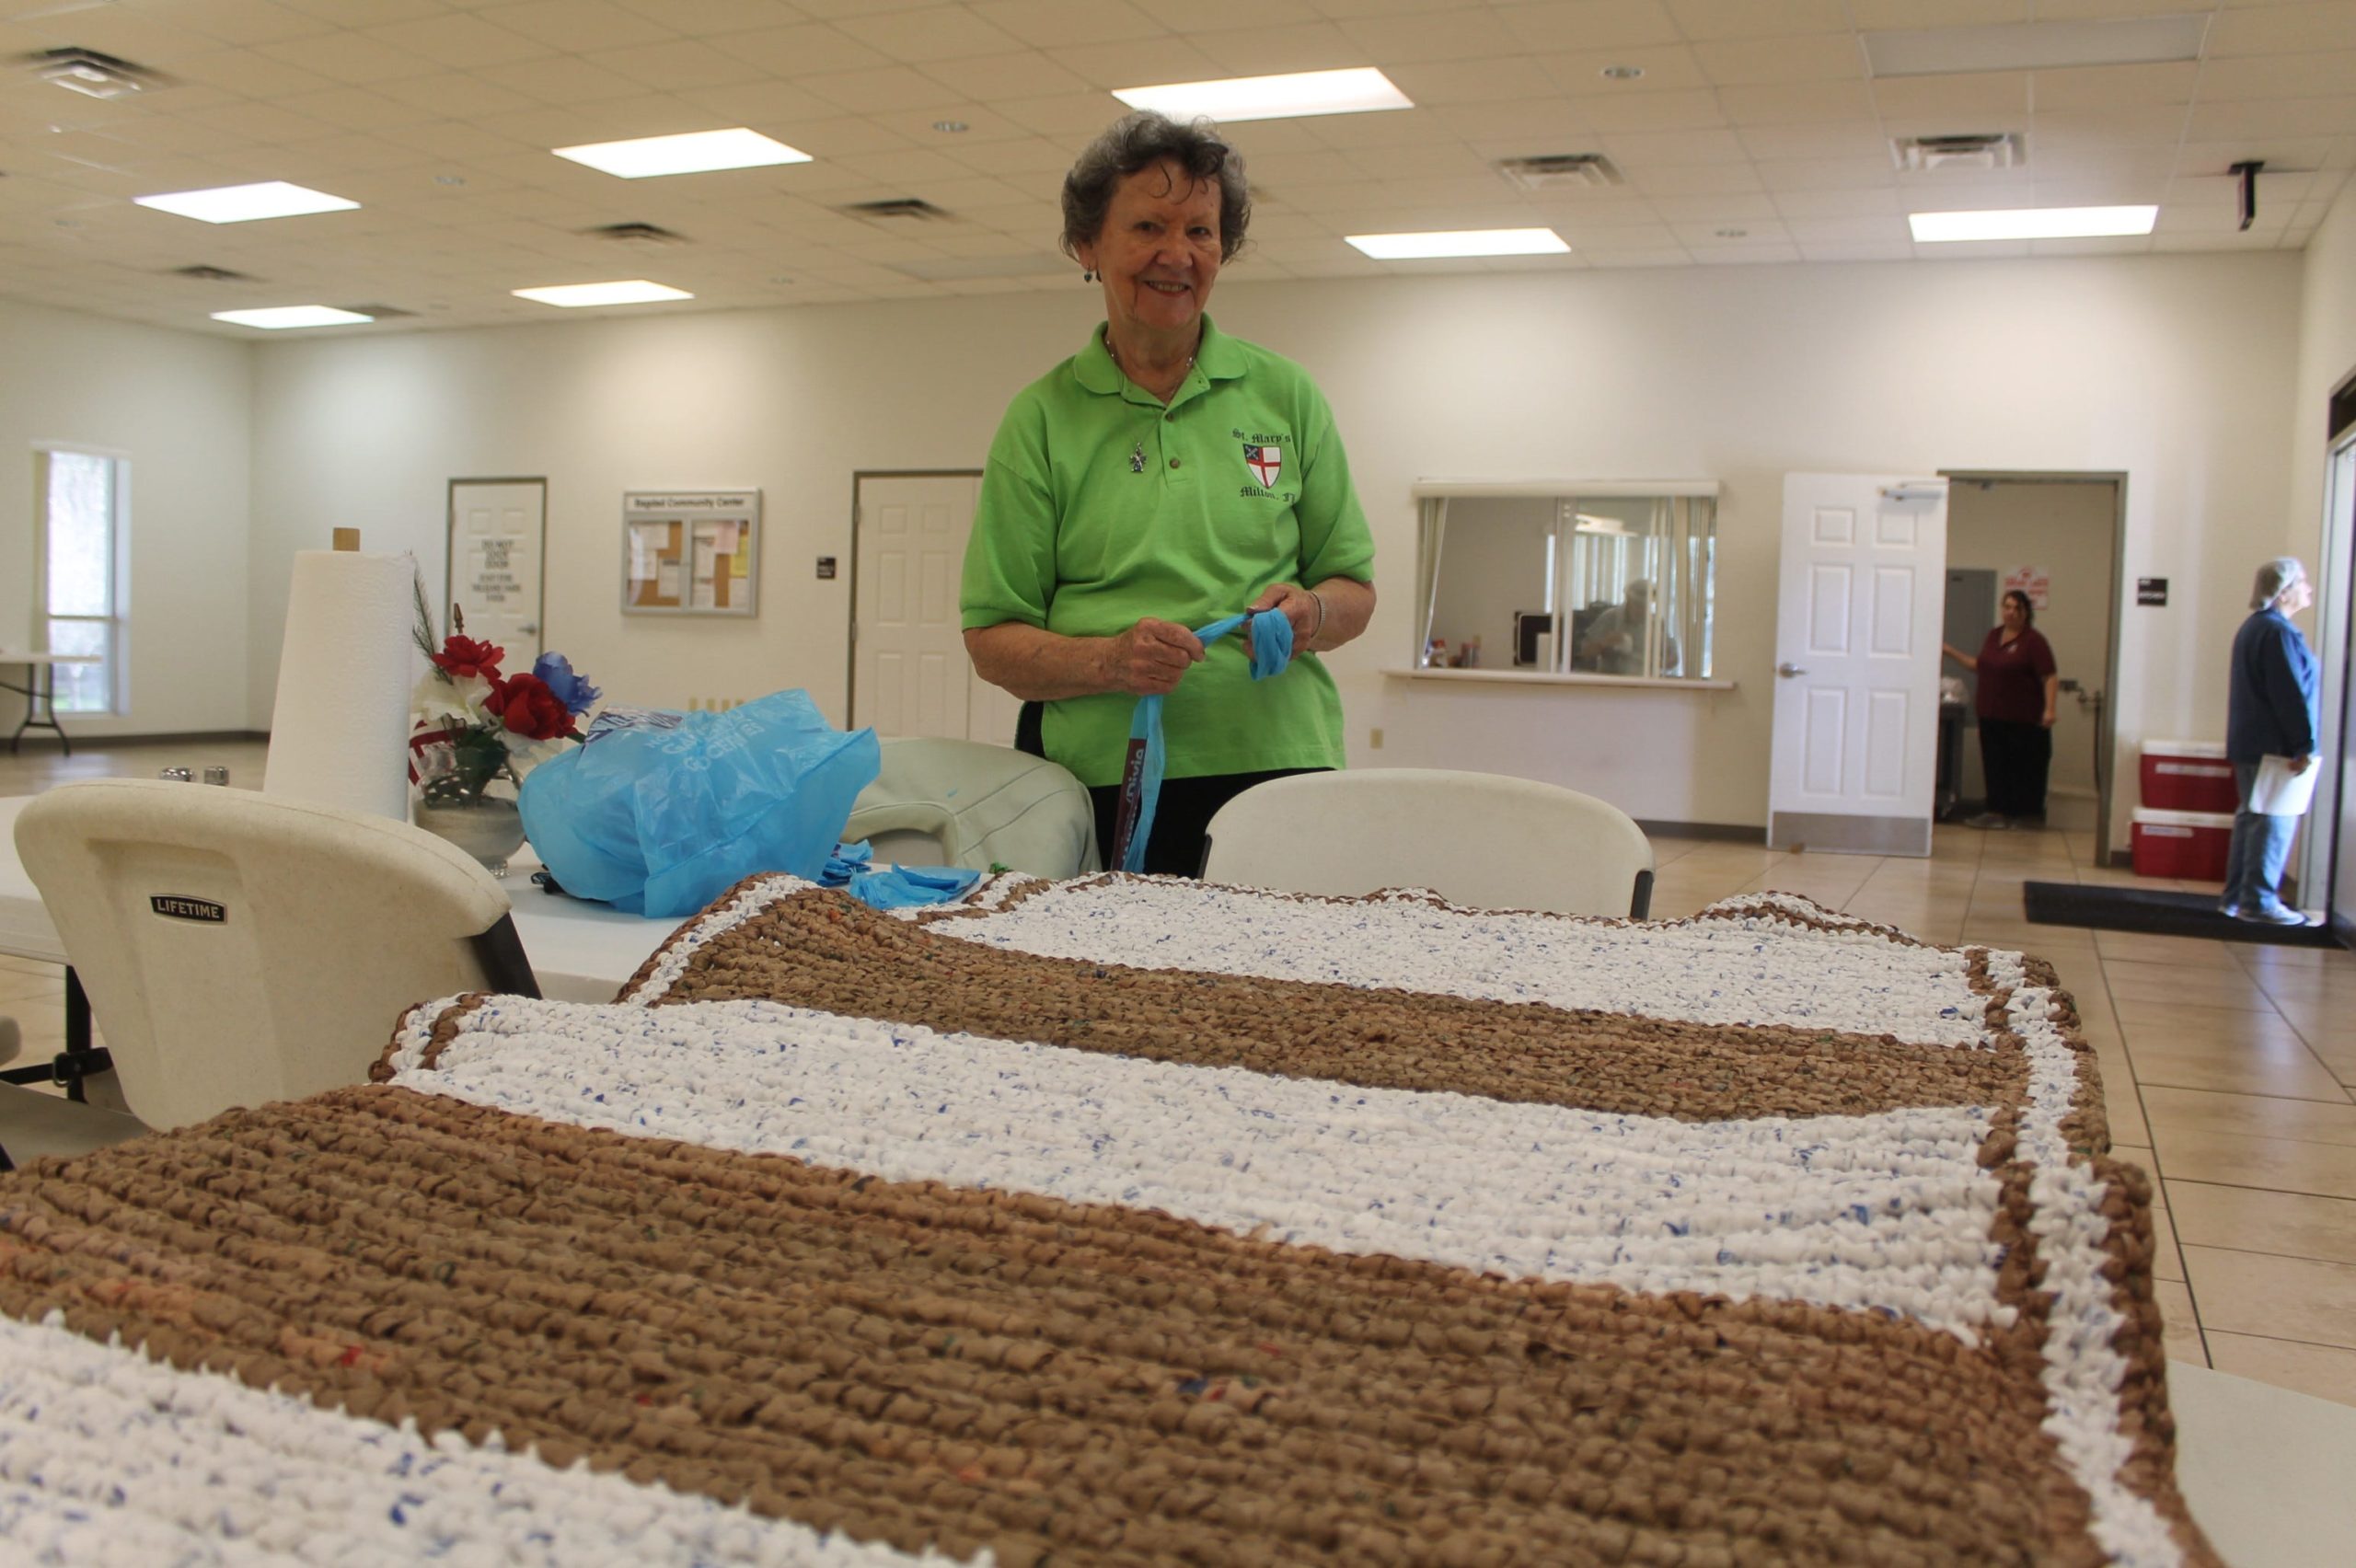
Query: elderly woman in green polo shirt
[{"x": 1164, "y": 476}]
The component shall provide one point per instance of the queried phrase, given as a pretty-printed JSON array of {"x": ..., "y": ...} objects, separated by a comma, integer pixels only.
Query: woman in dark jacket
[
  {"x": 2271, "y": 711},
  {"x": 2017, "y": 687}
]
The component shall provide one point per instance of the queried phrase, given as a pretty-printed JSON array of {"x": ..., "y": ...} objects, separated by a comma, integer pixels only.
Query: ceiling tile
[
  {"x": 1797, "y": 103},
  {"x": 1700, "y": 20},
  {"x": 2292, "y": 117},
  {"x": 1730, "y": 207},
  {"x": 1666, "y": 67},
  {"x": 350, "y": 57},
  {"x": 1873, "y": 15},
  {"x": 1025, "y": 73},
  {"x": 580, "y": 25},
  {"x": 1816, "y": 57},
  {"x": 1839, "y": 174},
  {"x": 2114, "y": 86},
  {"x": 246, "y": 21},
  {"x": 454, "y": 93},
  {"x": 1877, "y": 202},
  {"x": 1995, "y": 94},
  {"x": 1047, "y": 23},
  {"x": 1427, "y": 35},
  {"x": 564, "y": 79},
  {"x": 1449, "y": 82},
  {"x": 705, "y": 18},
  {"x": 463, "y": 41},
  {"x": 2281, "y": 29},
  {"x": 244, "y": 73},
  {"x": 1843, "y": 140},
  {"x": 1540, "y": 121},
  {"x": 356, "y": 109},
  {"x": 1634, "y": 151},
  {"x": 1652, "y": 111},
  {"x": 2320, "y": 74},
  {"x": 1136, "y": 62},
  {"x": 809, "y": 49},
  {"x": 1674, "y": 180},
  {"x": 1590, "y": 24},
  {"x": 936, "y": 32},
  {"x": 874, "y": 92}
]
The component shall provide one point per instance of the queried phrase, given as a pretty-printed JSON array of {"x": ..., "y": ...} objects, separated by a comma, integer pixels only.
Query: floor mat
[{"x": 2157, "y": 911}]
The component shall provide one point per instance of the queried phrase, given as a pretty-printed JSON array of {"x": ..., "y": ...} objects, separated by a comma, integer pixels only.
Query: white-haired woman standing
[
  {"x": 1164, "y": 476},
  {"x": 2271, "y": 710}
]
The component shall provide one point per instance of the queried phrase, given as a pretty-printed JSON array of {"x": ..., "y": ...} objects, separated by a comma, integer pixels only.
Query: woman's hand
[
  {"x": 1297, "y": 605},
  {"x": 1148, "y": 659}
]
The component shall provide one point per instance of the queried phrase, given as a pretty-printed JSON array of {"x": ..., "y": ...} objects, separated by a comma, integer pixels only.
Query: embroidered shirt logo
[{"x": 1266, "y": 462}]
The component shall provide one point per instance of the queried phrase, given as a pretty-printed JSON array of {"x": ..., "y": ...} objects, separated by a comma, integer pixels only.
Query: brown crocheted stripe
[
  {"x": 929, "y": 1366},
  {"x": 821, "y": 950}
]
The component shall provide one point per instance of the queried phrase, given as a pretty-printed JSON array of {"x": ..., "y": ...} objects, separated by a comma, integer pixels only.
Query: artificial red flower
[
  {"x": 525, "y": 705},
  {"x": 463, "y": 656}
]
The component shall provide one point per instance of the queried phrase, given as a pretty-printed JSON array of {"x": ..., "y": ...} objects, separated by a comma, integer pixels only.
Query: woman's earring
[{"x": 1088, "y": 275}]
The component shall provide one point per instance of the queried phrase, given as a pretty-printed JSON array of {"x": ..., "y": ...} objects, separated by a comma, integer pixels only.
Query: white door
[
  {"x": 1857, "y": 663},
  {"x": 909, "y": 671},
  {"x": 498, "y": 531}
]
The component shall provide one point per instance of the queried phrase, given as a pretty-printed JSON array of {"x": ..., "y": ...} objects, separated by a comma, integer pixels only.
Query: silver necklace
[{"x": 1137, "y": 453}]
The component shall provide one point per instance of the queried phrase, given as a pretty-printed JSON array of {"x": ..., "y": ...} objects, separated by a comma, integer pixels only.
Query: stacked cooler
[{"x": 2185, "y": 826}]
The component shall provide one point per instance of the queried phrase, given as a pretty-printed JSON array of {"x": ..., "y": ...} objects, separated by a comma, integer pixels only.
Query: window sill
[{"x": 1574, "y": 678}]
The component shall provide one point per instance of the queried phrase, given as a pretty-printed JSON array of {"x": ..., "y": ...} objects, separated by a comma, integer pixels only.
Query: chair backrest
[
  {"x": 1474, "y": 838},
  {"x": 238, "y": 947},
  {"x": 950, "y": 803}
]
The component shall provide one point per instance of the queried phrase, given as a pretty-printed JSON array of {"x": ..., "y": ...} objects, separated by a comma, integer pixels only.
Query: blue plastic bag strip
[
  {"x": 1271, "y": 635},
  {"x": 900, "y": 887}
]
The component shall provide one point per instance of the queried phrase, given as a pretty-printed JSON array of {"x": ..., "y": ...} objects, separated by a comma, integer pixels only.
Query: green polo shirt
[{"x": 1100, "y": 507}]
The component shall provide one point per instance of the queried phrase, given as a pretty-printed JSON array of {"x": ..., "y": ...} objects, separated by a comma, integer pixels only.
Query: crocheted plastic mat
[{"x": 1364, "y": 1231}]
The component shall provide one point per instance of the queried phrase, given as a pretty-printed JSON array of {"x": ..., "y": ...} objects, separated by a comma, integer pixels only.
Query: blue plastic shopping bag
[{"x": 662, "y": 821}]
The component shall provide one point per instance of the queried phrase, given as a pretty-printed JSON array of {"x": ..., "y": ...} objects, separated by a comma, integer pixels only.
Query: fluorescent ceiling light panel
[
  {"x": 244, "y": 204},
  {"x": 696, "y": 152},
  {"x": 285, "y": 316},
  {"x": 2036, "y": 46},
  {"x": 1460, "y": 242},
  {"x": 2033, "y": 222},
  {"x": 1362, "y": 90},
  {"x": 636, "y": 291}
]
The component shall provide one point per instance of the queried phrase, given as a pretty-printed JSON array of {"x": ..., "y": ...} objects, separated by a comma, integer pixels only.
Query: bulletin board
[{"x": 690, "y": 552}]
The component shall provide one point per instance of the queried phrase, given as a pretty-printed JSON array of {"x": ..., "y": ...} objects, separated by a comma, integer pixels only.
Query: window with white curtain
[
  {"x": 80, "y": 523},
  {"x": 1568, "y": 579}
]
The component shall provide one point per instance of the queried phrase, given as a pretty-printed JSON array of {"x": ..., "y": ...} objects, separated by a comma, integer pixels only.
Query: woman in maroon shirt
[{"x": 2017, "y": 687}]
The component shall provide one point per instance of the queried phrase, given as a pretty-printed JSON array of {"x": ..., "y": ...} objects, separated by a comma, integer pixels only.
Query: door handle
[{"x": 1788, "y": 670}]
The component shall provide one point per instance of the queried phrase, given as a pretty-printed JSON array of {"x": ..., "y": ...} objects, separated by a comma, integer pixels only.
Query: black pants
[
  {"x": 2015, "y": 758},
  {"x": 1184, "y": 810}
]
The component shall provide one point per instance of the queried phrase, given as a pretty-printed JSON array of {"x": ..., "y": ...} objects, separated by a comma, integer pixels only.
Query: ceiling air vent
[
  {"x": 895, "y": 208},
  {"x": 91, "y": 73},
  {"x": 378, "y": 312},
  {"x": 1980, "y": 150},
  {"x": 214, "y": 275},
  {"x": 650, "y": 237},
  {"x": 1560, "y": 171}
]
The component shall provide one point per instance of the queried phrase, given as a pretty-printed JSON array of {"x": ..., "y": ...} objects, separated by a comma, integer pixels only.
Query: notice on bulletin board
[
  {"x": 690, "y": 553},
  {"x": 2033, "y": 580}
]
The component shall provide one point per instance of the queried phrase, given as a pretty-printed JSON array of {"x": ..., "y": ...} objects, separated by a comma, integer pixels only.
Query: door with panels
[
  {"x": 1857, "y": 663},
  {"x": 909, "y": 671}
]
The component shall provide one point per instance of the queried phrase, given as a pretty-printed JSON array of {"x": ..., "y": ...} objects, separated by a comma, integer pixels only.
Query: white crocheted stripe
[
  {"x": 109, "y": 1458},
  {"x": 714, "y": 922},
  {"x": 1887, "y": 1211},
  {"x": 2083, "y": 1370},
  {"x": 1750, "y": 964}
]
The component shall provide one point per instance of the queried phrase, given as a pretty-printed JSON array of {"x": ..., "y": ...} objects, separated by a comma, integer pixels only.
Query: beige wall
[
  {"x": 179, "y": 405},
  {"x": 2175, "y": 370}
]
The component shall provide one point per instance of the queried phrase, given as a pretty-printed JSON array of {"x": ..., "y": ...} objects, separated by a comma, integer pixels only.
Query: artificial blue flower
[{"x": 577, "y": 695}]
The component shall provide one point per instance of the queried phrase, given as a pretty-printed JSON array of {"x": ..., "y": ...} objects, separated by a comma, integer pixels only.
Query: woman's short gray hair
[
  {"x": 2276, "y": 578},
  {"x": 1138, "y": 142}
]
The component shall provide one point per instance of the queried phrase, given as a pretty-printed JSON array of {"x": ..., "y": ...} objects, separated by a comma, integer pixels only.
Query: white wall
[
  {"x": 179, "y": 405},
  {"x": 2177, "y": 369}
]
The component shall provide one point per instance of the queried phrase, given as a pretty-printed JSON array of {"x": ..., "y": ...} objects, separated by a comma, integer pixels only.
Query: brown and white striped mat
[{"x": 1132, "y": 1221}]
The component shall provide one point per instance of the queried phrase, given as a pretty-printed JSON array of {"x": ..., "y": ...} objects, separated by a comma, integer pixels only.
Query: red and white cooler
[
  {"x": 2191, "y": 846},
  {"x": 2187, "y": 776}
]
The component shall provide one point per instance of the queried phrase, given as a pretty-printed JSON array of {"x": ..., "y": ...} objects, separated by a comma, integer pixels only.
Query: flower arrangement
[{"x": 472, "y": 725}]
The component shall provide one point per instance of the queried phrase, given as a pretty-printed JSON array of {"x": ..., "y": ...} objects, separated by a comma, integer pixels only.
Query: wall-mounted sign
[
  {"x": 2150, "y": 590},
  {"x": 2033, "y": 580},
  {"x": 690, "y": 553}
]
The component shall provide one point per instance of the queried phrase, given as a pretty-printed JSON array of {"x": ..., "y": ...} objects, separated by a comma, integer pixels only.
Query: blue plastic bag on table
[{"x": 662, "y": 821}]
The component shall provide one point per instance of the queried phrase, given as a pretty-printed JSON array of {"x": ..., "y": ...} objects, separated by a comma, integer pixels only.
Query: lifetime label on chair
[{"x": 181, "y": 908}]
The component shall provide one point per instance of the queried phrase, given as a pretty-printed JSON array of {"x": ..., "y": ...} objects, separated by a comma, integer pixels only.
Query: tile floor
[{"x": 2229, "y": 1068}]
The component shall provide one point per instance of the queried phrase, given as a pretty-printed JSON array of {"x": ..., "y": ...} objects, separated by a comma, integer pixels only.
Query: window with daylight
[
  {"x": 1611, "y": 579},
  {"x": 80, "y": 525}
]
